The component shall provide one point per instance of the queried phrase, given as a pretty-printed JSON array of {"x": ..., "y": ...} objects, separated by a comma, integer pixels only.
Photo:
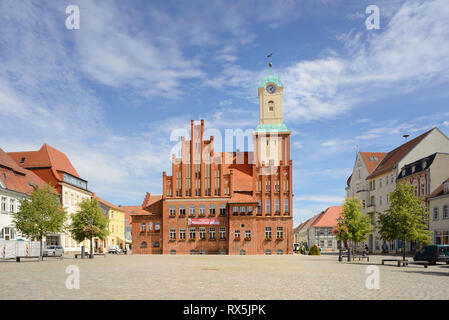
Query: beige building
[
  {"x": 439, "y": 214},
  {"x": 116, "y": 226},
  {"x": 375, "y": 192}
]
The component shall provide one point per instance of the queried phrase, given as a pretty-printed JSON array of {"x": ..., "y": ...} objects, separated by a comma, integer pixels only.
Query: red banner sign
[{"x": 204, "y": 222}]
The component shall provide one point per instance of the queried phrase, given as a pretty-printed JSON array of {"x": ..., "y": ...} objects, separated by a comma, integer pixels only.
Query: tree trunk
[
  {"x": 41, "y": 250},
  {"x": 91, "y": 246},
  {"x": 403, "y": 249}
]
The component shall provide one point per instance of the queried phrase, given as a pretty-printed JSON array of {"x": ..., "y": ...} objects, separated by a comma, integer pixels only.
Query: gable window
[
  {"x": 222, "y": 210},
  {"x": 172, "y": 211},
  {"x": 259, "y": 206},
  {"x": 212, "y": 210},
  {"x": 237, "y": 234},
  {"x": 235, "y": 211},
  {"x": 248, "y": 234},
  {"x": 267, "y": 207},
  {"x": 286, "y": 205}
]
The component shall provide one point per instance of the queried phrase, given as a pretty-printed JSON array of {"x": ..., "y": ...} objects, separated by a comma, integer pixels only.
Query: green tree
[
  {"x": 89, "y": 222},
  {"x": 40, "y": 215},
  {"x": 355, "y": 226},
  {"x": 406, "y": 219}
]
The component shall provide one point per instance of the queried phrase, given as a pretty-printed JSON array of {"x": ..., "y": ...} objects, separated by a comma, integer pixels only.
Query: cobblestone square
[{"x": 220, "y": 277}]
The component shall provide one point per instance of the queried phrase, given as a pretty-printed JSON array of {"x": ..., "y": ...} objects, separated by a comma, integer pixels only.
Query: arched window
[
  {"x": 157, "y": 244},
  {"x": 242, "y": 252},
  {"x": 143, "y": 244},
  {"x": 270, "y": 105}
]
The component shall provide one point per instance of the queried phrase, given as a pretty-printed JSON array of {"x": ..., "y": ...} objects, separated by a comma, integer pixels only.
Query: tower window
[{"x": 270, "y": 105}]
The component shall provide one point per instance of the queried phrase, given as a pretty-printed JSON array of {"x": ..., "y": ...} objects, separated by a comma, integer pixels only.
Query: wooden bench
[
  {"x": 26, "y": 257},
  {"x": 360, "y": 257},
  {"x": 100, "y": 254},
  {"x": 400, "y": 262}
]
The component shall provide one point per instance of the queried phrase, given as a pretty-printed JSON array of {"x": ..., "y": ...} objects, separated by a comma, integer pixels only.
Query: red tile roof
[
  {"x": 242, "y": 198},
  {"x": 438, "y": 191},
  {"x": 46, "y": 157},
  {"x": 396, "y": 155},
  {"x": 308, "y": 222},
  {"x": 329, "y": 217},
  {"x": 113, "y": 206},
  {"x": 16, "y": 178},
  {"x": 369, "y": 159},
  {"x": 132, "y": 210}
]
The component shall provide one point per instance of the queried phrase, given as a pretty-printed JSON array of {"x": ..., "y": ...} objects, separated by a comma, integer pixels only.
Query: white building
[
  {"x": 55, "y": 168},
  {"x": 16, "y": 184}
]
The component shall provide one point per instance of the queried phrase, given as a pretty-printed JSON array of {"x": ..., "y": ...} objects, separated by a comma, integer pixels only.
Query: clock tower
[{"x": 271, "y": 137}]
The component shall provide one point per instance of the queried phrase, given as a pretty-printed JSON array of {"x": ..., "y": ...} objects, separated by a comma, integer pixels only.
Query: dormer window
[
  {"x": 446, "y": 187},
  {"x": 22, "y": 160}
]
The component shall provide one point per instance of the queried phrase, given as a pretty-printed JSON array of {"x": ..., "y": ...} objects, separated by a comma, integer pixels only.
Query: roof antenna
[{"x": 406, "y": 136}]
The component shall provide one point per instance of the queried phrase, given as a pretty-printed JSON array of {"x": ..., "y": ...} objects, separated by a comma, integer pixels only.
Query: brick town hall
[{"x": 224, "y": 202}]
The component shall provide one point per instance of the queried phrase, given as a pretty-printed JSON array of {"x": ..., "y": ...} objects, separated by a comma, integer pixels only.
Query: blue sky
[{"x": 110, "y": 94}]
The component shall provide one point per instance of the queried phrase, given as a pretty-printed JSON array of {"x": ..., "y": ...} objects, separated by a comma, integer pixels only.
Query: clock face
[{"x": 271, "y": 89}]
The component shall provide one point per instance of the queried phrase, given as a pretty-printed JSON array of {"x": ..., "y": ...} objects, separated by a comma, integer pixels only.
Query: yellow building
[{"x": 116, "y": 226}]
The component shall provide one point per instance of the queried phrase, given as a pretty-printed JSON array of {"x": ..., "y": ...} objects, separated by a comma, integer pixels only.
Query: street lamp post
[
  {"x": 340, "y": 258},
  {"x": 91, "y": 255}
]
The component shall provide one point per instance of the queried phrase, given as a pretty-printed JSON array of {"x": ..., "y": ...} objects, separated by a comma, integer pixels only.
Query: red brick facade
[{"x": 234, "y": 196}]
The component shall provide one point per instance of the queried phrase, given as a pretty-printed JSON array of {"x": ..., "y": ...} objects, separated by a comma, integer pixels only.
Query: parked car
[
  {"x": 53, "y": 251},
  {"x": 433, "y": 254},
  {"x": 114, "y": 249}
]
